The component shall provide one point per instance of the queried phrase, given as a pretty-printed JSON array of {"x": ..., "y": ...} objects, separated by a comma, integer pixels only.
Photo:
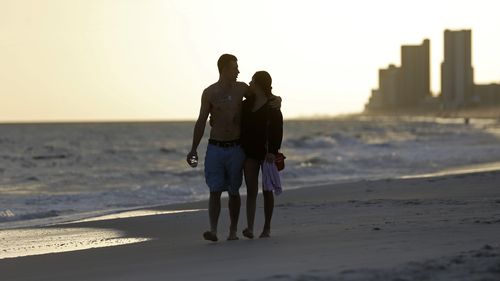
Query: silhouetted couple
[{"x": 243, "y": 135}]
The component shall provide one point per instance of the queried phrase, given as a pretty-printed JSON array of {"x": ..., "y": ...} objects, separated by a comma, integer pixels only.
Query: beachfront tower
[
  {"x": 457, "y": 74},
  {"x": 414, "y": 81}
]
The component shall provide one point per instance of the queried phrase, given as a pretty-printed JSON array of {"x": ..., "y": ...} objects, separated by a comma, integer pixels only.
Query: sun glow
[{"x": 142, "y": 60}]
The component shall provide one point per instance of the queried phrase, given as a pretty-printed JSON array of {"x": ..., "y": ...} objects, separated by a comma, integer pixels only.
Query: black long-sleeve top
[{"x": 255, "y": 131}]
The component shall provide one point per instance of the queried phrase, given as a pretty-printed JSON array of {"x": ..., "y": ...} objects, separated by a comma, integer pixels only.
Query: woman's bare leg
[
  {"x": 251, "y": 171},
  {"x": 268, "y": 213}
]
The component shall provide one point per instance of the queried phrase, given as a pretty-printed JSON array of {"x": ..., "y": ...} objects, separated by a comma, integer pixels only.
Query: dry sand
[{"x": 432, "y": 228}]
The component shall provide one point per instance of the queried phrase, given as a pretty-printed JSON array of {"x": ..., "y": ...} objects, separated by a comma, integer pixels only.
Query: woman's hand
[{"x": 270, "y": 158}]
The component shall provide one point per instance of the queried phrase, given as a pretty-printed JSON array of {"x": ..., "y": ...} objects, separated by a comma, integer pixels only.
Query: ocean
[{"x": 61, "y": 172}]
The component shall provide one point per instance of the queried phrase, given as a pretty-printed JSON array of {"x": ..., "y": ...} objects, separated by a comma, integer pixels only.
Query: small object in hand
[
  {"x": 280, "y": 161},
  {"x": 193, "y": 161}
]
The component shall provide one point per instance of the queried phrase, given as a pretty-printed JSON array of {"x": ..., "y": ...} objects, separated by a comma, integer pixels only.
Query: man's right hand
[
  {"x": 192, "y": 159},
  {"x": 275, "y": 102}
]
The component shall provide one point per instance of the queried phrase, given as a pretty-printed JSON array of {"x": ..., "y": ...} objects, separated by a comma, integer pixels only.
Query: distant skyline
[
  {"x": 106, "y": 60},
  {"x": 406, "y": 87}
]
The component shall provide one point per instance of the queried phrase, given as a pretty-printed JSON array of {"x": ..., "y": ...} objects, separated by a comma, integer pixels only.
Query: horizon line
[{"x": 159, "y": 120}]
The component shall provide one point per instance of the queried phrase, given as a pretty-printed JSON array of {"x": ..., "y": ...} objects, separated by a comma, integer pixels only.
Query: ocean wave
[
  {"x": 168, "y": 150},
  {"x": 64, "y": 168},
  {"x": 311, "y": 142},
  {"x": 50, "y": 157},
  {"x": 8, "y": 215},
  {"x": 314, "y": 161}
]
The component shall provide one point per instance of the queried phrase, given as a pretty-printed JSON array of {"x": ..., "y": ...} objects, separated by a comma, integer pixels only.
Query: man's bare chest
[{"x": 226, "y": 101}]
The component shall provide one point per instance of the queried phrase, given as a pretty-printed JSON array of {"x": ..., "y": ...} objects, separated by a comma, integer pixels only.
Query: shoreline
[
  {"x": 367, "y": 228},
  {"x": 89, "y": 216},
  {"x": 486, "y": 112}
]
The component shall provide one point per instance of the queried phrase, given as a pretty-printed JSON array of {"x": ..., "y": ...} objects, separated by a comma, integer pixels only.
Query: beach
[{"x": 428, "y": 228}]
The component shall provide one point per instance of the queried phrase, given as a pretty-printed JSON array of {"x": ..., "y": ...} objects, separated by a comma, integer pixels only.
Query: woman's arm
[{"x": 275, "y": 133}]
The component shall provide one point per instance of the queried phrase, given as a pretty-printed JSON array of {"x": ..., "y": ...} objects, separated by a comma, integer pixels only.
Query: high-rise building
[
  {"x": 388, "y": 81},
  {"x": 414, "y": 84},
  {"x": 457, "y": 82},
  {"x": 405, "y": 86},
  {"x": 487, "y": 94},
  {"x": 385, "y": 97}
]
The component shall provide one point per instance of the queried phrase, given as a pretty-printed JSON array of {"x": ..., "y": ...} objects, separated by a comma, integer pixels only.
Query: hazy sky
[{"x": 151, "y": 59}]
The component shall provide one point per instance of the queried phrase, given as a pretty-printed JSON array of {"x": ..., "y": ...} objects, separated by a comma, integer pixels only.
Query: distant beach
[{"x": 479, "y": 112}]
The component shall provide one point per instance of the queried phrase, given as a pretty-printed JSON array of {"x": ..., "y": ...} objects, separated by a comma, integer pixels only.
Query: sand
[{"x": 430, "y": 228}]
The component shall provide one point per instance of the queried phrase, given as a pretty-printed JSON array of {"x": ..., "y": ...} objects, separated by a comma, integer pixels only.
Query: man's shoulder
[
  {"x": 212, "y": 88},
  {"x": 242, "y": 89},
  {"x": 210, "y": 91},
  {"x": 241, "y": 85}
]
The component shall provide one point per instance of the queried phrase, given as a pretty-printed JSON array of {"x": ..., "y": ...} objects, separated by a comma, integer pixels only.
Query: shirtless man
[{"x": 224, "y": 158}]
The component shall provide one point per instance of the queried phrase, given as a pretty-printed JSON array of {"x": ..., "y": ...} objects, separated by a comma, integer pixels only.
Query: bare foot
[
  {"x": 210, "y": 236},
  {"x": 232, "y": 236},
  {"x": 266, "y": 233},
  {"x": 248, "y": 233}
]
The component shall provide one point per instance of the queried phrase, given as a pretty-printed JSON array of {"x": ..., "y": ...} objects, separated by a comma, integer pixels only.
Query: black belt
[{"x": 224, "y": 143}]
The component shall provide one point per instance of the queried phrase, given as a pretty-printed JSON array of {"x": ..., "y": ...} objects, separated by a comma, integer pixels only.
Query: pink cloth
[{"x": 271, "y": 178}]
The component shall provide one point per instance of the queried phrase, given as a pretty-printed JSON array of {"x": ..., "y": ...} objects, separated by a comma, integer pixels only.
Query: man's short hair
[{"x": 224, "y": 60}]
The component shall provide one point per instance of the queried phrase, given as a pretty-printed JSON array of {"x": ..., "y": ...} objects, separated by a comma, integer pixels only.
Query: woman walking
[{"x": 261, "y": 136}]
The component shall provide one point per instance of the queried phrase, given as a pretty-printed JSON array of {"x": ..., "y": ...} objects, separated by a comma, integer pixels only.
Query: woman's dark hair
[
  {"x": 264, "y": 81},
  {"x": 224, "y": 60}
]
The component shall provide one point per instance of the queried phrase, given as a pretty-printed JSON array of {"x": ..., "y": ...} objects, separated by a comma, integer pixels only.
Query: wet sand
[{"x": 429, "y": 228}]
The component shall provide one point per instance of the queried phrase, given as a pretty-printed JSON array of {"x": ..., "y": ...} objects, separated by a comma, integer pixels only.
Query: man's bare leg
[
  {"x": 213, "y": 214},
  {"x": 234, "y": 213}
]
